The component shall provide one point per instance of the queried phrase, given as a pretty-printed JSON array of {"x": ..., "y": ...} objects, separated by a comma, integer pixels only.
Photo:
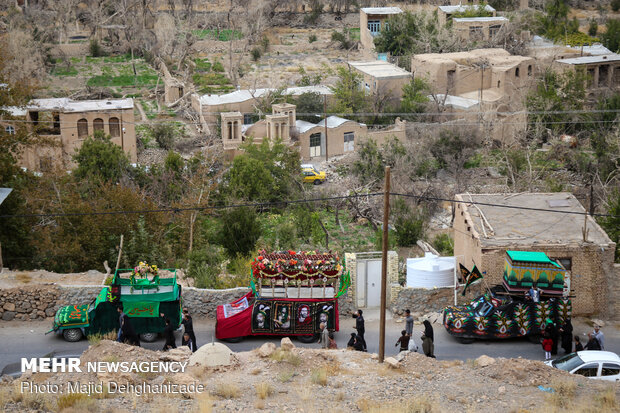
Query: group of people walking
[
  {"x": 127, "y": 334},
  {"x": 554, "y": 335}
]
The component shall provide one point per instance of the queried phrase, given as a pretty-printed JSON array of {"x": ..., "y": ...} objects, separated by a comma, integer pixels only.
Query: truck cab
[{"x": 143, "y": 300}]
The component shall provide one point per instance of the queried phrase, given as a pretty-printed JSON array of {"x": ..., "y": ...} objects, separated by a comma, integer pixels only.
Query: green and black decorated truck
[
  {"x": 507, "y": 310},
  {"x": 142, "y": 299}
]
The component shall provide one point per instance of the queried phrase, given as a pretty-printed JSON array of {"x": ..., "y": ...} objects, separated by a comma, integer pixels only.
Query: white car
[{"x": 601, "y": 365}]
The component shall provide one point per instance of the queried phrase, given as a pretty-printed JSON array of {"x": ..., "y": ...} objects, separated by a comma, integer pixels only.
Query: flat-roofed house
[
  {"x": 383, "y": 78},
  {"x": 446, "y": 13},
  {"x": 343, "y": 135},
  {"x": 487, "y": 225},
  {"x": 67, "y": 123},
  {"x": 372, "y": 21},
  {"x": 478, "y": 28},
  {"x": 603, "y": 70}
]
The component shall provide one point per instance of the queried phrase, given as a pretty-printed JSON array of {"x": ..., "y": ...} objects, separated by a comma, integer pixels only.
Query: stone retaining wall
[
  {"x": 422, "y": 301},
  {"x": 38, "y": 302}
]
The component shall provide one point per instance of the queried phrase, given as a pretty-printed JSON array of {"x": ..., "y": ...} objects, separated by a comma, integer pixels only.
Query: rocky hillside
[{"x": 295, "y": 379}]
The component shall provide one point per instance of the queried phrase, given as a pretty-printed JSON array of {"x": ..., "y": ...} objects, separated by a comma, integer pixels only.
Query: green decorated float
[
  {"x": 143, "y": 292},
  {"x": 535, "y": 290}
]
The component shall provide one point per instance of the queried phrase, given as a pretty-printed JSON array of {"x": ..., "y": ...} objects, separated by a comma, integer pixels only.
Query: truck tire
[
  {"x": 233, "y": 339},
  {"x": 72, "y": 334},
  {"x": 148, "y": 337},
  {"x": 317, "y": 182},
  {"x": 311, "y": 338}
]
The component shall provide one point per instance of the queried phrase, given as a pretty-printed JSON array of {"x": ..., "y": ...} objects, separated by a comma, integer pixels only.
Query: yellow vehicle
[{"x": 311, "y": 175}]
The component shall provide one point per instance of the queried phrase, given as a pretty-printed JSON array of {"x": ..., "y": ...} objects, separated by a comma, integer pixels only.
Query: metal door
[
  {"x": 373, "y": 283},
  {"x": 368, "y": 284}
]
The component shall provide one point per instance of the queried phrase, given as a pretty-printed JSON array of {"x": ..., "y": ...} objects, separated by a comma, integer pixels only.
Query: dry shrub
[
  {"x": 305, "y": 393},
  {"x": 205, "y": 403},
  {"x": 78, "y": 402},
  {"x": 94, "y": 339},
  {"x": 256, "y": 372},
  {"x": 319, "y": 376},
  {"x": 340, "y": 396},
  {"x": 564, "y": 392},
  {"x": 286, "y": 356},
  {"x": 23, "y": 278},
  {"x": 263, "y": 390},
  {"x": 259, "y": 404},
  {"x": 607, "y": 399},
  {"x": 286, "y": 376},
  {"x": 421, "y": 404},
  {"x": 227, "y": 391}
]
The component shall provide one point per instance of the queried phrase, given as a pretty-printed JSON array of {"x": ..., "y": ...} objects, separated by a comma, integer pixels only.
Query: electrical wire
[{"x": 299, "y": 201}]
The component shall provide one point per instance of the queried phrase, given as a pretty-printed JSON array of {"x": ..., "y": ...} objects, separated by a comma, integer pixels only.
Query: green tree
[
  {"x": 554, "y": 95},
  {"x": 611, "y": 37},
  {"x": 309, "y": 107},
  {"x": 349, "y": 98},
  {"x": 267, "y": 172},
  {"x": 410, "y": 33},
  {"x": 554, "y": 23},
  {"x": 239, "y": 232},
  {"x": 415, "y": 96},
  {"x": 205, "y": 265},
  {"x": 409, "y": 224},
  {"x": 611, "y": 224},
  {"x": 100, "y": 160},
  {"x": 593, "y": 27},
  {"x": 164, "y": 134},
  {"x": 369, "y": 166}
]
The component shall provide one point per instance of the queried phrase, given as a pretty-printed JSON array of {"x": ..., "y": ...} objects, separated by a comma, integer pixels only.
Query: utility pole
[
  {"x": 481, "y": 88},
  {"x": 386, "y": 215},
  {"x": 325, "y": 116}
]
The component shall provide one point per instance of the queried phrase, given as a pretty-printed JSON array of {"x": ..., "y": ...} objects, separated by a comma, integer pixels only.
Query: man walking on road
[
  {"x": 598, "y": 334},
  {"x": 359, "y": 326},
  {"x": 409, "y": 323}
]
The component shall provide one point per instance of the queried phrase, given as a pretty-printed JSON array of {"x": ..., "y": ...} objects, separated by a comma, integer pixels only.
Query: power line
[{"x": 299, "y": 201}]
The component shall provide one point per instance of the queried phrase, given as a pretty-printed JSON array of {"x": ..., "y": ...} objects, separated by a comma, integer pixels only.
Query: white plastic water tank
[{"x": 430, "y": 271}]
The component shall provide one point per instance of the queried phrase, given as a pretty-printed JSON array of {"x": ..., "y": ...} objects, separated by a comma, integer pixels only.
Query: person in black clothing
[
  {"x": 358, "y": 343},
  {"x": 593, "y": 343},
  {"x": 566, "y": 332},
  {"x": 188, "y": 327},
  {"x": 578, "y": 345},
  {"x": 187, "y": 341},
  {"x": 403, "y": 340},
  {"x": 552, "y": 331},
  {"x": 359, "y": 326},
  {"x": 351, "y": 342},
  {"x": 128, "y": 334},
  {"x": 169, "y": 336}
]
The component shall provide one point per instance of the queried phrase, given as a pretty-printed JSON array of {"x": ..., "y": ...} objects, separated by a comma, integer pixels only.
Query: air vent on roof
[
  {"x": 558, "y": 203},
  {"x": 108, "y": 103},
  {"x": 604, "y": 57}
]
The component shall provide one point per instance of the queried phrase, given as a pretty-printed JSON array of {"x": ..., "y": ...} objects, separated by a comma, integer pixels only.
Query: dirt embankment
[{"x": 297, "y": 379}]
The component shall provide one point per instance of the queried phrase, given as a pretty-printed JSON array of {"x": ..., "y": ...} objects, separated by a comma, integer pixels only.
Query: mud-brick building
[
  {"x": 66, "y": 123},
  {"x": 484, "y": 228}
]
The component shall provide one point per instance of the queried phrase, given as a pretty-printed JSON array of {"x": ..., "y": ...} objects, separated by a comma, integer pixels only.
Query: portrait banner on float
[
  {"x": 261, "y": 317},
  {"x": 304, "y": 314}
]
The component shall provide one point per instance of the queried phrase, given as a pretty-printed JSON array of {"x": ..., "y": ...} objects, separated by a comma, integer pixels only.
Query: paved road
[{"x": 28, "y": 340}]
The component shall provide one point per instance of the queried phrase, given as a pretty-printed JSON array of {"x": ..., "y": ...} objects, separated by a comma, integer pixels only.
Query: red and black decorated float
[{"x": 293, "y": 292}]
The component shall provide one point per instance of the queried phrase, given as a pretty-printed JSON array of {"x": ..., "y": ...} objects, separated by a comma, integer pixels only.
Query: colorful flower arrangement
[
  {"x": 308, "y": 263},
  {"x": 143, "y": 270}
]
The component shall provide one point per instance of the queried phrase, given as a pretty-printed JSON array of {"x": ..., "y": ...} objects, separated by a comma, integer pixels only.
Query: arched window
[
  {"x": 82, "y": 127},
  {"x": 529, "y": 70},
  {"x": 10, "y": 130},
  {"x": 115, "y": 127},
  {"x": 98, "y": 124},
  {"x": 517, "y": 72}
]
